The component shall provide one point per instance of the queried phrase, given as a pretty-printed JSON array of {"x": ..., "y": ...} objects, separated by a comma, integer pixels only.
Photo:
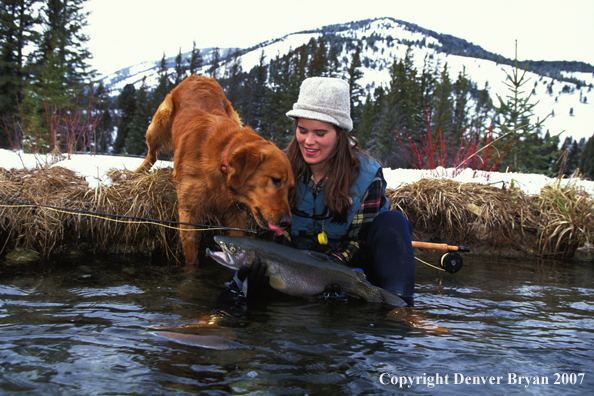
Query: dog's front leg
[{"x": 190, "y": 238}]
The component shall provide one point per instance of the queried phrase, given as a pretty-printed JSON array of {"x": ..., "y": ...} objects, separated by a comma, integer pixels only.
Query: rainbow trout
[{"x": 295, "y": 272}]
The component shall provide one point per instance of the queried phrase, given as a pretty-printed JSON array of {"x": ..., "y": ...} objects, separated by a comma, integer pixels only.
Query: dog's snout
[{"x": 285, "y": 221}]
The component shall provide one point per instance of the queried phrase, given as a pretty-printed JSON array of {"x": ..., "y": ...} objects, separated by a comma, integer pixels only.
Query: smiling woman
[{"x": 317, "y": 140}]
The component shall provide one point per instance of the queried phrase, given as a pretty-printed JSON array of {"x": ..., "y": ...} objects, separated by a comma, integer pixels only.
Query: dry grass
[
  {"x": 468, "y": 214},
  {"x": 566, "y": 219},
  {"x": 483, "y": 217},
  {"x": 45, "y": 230}
]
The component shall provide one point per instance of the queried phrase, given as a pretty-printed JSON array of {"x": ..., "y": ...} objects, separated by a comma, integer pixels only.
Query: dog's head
[{"x": 260, "y": 176}]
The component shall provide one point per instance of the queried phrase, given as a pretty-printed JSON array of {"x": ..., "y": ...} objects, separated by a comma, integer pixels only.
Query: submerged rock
[{"x": 24, "y": 256}]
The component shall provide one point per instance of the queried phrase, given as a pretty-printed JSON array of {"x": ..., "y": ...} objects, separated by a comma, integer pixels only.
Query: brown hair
[{"x": 343, "y": 166}]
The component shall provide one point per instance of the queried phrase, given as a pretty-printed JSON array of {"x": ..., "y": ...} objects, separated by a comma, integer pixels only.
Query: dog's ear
[{"x": 242, "y": 163}]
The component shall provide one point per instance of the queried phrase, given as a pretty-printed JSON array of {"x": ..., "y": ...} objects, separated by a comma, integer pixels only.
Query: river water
[{"x": 108, "y": 327}]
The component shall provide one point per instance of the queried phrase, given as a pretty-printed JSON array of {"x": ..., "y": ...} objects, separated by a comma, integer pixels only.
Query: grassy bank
[{"x": 492, "y": 220}]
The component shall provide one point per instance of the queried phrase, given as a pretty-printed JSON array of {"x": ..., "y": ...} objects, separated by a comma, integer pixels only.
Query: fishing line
[
  {"x": 141, "y": 220},
  {"x": 430, "y": 265},
  {"x": 132, "y": 219}
]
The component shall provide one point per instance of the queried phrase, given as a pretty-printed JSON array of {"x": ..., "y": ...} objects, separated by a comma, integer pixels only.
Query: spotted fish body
[{"x": 297, "y": 272}]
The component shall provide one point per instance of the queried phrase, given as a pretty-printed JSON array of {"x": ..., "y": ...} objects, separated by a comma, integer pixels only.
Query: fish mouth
[
  {"x": 230, "y": 256},
  {"x": 221, "y": 257}
]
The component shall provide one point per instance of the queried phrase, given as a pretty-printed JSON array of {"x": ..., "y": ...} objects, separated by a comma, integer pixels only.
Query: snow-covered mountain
[{"x": 563, "y": 89}]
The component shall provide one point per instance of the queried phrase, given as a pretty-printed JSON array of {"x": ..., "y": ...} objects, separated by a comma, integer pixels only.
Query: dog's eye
[{"x": 276, "y": 181}]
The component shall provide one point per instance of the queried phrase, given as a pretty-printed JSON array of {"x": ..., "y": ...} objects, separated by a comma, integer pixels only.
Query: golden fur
[{"x": 199, "y": 122}]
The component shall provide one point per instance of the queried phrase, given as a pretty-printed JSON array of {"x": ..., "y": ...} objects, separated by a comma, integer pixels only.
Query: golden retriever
[{"x": 220, "y": 167}]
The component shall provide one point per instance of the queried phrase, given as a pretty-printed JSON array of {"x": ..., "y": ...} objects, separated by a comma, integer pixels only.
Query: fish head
[{"x": 232, "y": 254}]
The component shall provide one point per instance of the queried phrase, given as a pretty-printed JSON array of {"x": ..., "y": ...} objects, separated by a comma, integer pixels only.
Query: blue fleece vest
[{"x": 304, "y": 230}]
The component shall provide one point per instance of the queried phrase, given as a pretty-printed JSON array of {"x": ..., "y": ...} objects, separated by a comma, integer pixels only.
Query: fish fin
[
  {"x": 392, "y": 299},
  {"x": 244, "y": 287},
  {"x": 277, "y": 283}
]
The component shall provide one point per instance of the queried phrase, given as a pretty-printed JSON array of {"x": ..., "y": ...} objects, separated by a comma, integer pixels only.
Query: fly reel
[{"x": 451, "y": 262}]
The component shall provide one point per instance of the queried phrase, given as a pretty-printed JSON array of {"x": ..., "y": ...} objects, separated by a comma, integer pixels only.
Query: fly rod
[{"x": 444, "y": 247}]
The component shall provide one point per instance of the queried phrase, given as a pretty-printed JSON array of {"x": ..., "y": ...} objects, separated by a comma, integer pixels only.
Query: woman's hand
[{"x": 257, "y": 279}]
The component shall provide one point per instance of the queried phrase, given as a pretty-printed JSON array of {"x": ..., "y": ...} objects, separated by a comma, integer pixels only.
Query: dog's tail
[{"x": 158, "y": 133}]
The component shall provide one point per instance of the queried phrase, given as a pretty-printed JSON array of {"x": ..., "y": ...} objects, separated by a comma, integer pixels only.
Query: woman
[{"x": 339, "y": 204}]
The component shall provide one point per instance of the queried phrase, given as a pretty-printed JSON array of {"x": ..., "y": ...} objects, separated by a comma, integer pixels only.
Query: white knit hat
[{"x": 324, "y": 99}]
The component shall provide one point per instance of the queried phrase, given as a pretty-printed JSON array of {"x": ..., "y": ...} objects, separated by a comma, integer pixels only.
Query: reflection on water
[{"x": 102, "y": 327}]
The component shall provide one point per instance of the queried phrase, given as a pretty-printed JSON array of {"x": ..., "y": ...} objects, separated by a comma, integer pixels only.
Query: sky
[{"x": 126, "y": 32}]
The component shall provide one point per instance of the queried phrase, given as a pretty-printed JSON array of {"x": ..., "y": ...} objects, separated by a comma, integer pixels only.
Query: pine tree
[
  {"x": 514, "y": 117},
  {"x": 334, "y": 69},
  {"x": 365, "y": 128},
  {"x": 443, "y": 114},
  {"x": 180, "y": 69},
  {"x": 587, "y": 159},
  {"x": 233, "y": 76},
  {"x": 318, "y": 66},
  {"x": 195, "y": 61},
  {"x": 213, "y": 71},
  {"x": 277, "y": 126},
  {"x": 126, "y": 102},
  {"x": 461, "y": 92},
  {"x": 60, "y": 61},
  {"x": 255, "y": 91},
  {"x": 354, "y": 74},
  {"x": 163, "y": 87},
  {"x": 428, "y": 80},
  {"x": 483, "y": 107},
  {"x": 135, "y": 142},
  {"x": 18, "y": 22}
]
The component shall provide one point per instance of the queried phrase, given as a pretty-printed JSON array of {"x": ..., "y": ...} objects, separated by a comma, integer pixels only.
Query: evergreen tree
[
  {"x": 443, "y": 113},
  {"x": 334, "y": 67},
  {"x": 428, "y": 80},
  {"x": 60, "y": 61},
  {"x": 102, "y": 103},
  {"x": 365, "y": 128},
  {"x": 461, "y": 92},
  {"x": 135, "y": 141},
  {"x": 18, "y": 22},
  {"x": 318, "y": 66},
  {"x": 587, "y": 159},
  {"x": 180, "y": 69},
  {"x": 233, "y": 76},
  {"x": 400, "y": 112},
  {"x": 483, "y": 107},
  {"x": 126, "y": 102},
  {"x": 354, "y": 74},
  {"x": 255, "y": 91},
  {"x": 213, "y": 71},
  {"x": 163, "y": 87},
  {"x": 277, "y": 126},
  {"x": 514, "y": 117},
  {"x": 195, "y": 61}
]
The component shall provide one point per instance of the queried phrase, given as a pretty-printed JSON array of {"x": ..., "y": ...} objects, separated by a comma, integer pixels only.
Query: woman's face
[{"x": 317, "y": 140}]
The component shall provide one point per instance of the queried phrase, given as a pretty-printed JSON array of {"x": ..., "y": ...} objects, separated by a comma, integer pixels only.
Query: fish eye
[{"x": 232, "y": 249}]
